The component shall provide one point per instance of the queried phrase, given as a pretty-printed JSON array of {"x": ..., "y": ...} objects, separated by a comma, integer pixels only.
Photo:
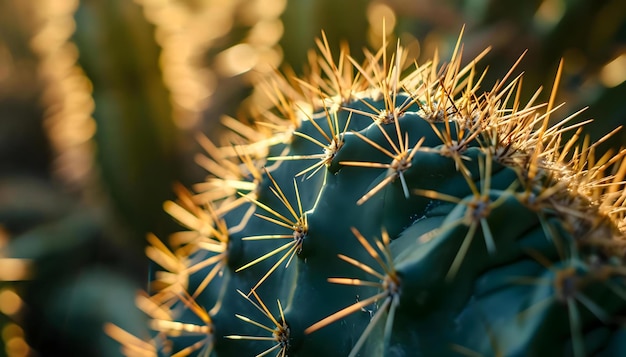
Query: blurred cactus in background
[{"x": 101, "y": 103}]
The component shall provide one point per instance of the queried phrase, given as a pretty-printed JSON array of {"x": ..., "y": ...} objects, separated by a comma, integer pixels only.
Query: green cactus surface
[{"x": 386, "y": 208}]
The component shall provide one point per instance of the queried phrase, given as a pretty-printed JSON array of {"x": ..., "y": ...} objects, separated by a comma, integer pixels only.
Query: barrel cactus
[{"x": 387, "y": 208}]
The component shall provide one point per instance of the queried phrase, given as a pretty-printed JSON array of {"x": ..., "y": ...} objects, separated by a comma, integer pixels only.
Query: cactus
[{"x": 383, "y": 208}]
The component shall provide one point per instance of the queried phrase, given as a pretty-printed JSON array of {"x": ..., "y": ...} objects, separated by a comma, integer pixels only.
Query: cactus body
[{"x": 386, "y": 211}]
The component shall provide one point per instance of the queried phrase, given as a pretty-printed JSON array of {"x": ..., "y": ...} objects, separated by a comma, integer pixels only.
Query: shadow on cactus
[{"x": 389, "y": 208}]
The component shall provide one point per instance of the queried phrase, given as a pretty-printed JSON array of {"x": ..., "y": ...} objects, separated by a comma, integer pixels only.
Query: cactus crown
[{"x": 497, "y": 234}]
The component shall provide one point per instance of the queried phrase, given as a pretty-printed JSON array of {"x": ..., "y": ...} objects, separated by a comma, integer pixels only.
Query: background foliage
[{"x": 101, "y": 100}]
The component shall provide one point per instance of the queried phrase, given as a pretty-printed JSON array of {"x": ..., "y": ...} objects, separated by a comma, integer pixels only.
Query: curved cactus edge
[{"x": 244, "y": 160}]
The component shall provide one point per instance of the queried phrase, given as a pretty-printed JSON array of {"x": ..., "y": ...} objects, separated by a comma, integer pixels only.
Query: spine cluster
[{"x": 390, "y": 208}]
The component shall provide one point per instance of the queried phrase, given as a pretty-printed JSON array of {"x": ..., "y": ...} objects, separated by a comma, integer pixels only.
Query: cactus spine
[{"x": 384, "y": 208}]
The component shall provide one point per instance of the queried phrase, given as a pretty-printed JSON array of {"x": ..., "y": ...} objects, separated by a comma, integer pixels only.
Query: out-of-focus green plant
[
  {"x": 58, "y": 216},
  {"x": 108, "y": 89}
]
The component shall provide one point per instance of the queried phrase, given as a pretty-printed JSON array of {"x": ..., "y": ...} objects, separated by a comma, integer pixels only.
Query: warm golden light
[
  {"x": 10, "y": 302},
  {"x": 382, "y": 21},
  {"x": 14, "y": 343},
  {"x": 614, "y": 72},
  {"x": 266, "y": 33},
  {"x": 17, "y": 347},
  {"x": 376, "y": 13},
  {"x": 236, "y": 60},
  {"x": 12, "y": 269},
  {"x": 268, "y": 9},
  {"x": 67, "y": 91},
  {"x": 11, "y": 330},
  {"x": 549, "y": 12},
  {"x": 186, "y": 33}
]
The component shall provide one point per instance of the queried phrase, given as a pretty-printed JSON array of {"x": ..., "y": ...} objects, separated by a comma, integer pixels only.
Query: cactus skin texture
[{"x": 390, "y": 209}]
